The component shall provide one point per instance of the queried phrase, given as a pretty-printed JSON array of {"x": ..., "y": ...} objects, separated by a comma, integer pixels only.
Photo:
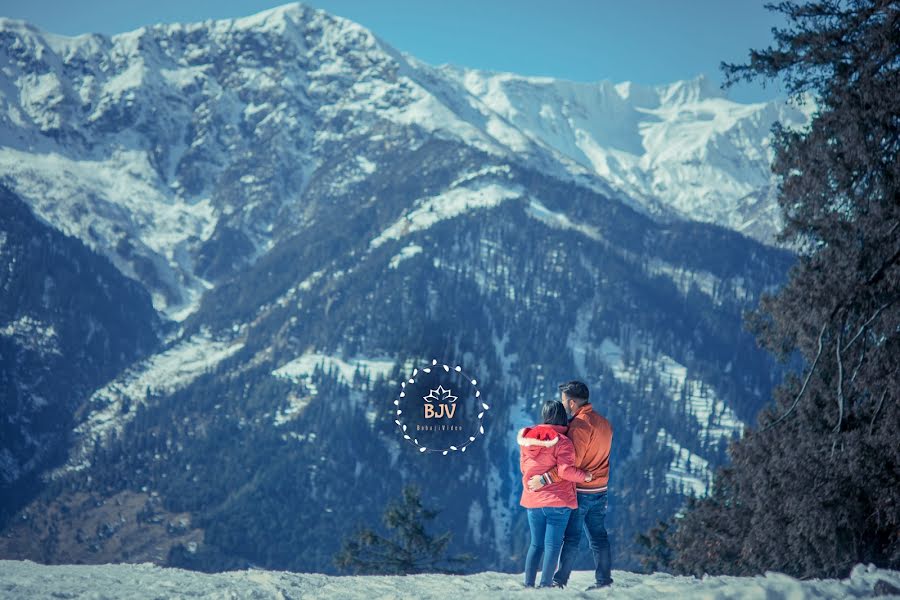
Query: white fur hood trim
[{"x": 524, "y": 441}]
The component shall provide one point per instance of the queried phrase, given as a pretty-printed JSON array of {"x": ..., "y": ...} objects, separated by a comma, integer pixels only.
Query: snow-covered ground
[{"x": 25, "y": 579}]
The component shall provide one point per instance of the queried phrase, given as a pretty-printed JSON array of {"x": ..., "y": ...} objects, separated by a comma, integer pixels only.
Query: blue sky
[{"x": 646, "y": 41}]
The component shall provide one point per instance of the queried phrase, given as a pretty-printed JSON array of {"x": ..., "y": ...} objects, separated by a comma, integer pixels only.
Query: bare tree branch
[
  {"x": 840, "y": 378},
  {"x": 862, "y": 357},
  {"x": 863, "y": 327},
  {"x": 805, "y": 383},
  {"x": 877, "y": 410},
  {"x": 881, "y": 270}
]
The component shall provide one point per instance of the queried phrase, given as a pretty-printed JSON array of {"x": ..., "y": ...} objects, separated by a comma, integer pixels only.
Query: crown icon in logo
[{"x": 439, "y": 395}]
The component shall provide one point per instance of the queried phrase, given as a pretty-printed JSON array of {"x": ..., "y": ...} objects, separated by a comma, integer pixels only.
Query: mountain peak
[
  {"x": 683, "y": 91},
  {"x": 697, "y": 88},
  {"x": 293, "y": 12}
]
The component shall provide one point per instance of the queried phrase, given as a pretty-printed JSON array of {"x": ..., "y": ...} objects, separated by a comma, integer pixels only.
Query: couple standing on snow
[{"x": 565, "y": 469}]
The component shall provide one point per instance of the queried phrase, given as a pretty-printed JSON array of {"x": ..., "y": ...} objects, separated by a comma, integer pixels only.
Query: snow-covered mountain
[
  {"x": 157, "y": 145},
  {"x": 682, "y": 146},
  {"x": 311, "y": 212},
  {"x": 21, "y": 579}
]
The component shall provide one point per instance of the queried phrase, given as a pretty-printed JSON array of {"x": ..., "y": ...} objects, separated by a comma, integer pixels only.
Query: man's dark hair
[
  {"x": 575, "y": 389},
  {"x": 553, "y": 413}
]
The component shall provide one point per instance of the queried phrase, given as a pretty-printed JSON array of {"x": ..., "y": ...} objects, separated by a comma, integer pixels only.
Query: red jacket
[{"x": 542, "y": 448}]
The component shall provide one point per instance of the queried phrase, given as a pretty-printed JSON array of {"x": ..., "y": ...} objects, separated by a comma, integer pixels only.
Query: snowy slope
[
  {"x": 109, "y": 408},
  {"x": 21, "y": 579},
  {"x": 683, "y": 145}
]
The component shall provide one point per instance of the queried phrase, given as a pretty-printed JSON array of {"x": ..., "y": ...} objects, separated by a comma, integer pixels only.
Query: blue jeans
[
  {"x": 547, "y": 527},
  {"x": 589, "y": 516}
]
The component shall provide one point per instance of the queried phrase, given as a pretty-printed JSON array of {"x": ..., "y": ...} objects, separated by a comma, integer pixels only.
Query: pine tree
[
  {"x": 411, "y": 549},
  {"x": 814, "y": 489}
]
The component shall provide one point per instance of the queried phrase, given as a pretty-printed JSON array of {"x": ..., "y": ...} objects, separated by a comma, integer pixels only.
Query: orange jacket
[{"x": 591, "y": 435}]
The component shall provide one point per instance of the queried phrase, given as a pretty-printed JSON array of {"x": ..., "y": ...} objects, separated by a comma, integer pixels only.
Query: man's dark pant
[{"x": 589, "y": 516}]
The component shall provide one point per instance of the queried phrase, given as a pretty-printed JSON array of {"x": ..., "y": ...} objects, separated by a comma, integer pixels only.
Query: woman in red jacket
[{"x": 541, "y": 448}]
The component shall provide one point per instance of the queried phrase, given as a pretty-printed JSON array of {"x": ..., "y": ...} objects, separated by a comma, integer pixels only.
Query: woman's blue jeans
[{"x": 547, "y": 528}]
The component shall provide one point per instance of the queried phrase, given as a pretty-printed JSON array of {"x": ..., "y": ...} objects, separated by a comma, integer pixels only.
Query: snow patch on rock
[{"x": 111, "y": 407}]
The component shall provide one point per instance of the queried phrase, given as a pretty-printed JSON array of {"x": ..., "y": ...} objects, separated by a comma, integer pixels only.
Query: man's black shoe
[
  {"x": 557, "y": 584},
  {"x": 599, "y": 586}
]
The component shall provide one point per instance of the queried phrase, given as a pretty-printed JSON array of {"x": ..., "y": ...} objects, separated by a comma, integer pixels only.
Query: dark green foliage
[
  {"x": 70, "y": 321},
  {"x": 657, "y": 551},
  {"x": 410, "y": 548},
  {"x": 816, "y": 489}
]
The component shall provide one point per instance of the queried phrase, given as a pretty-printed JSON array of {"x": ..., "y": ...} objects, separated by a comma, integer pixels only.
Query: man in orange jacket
[{"x": 591, "y": 434}]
